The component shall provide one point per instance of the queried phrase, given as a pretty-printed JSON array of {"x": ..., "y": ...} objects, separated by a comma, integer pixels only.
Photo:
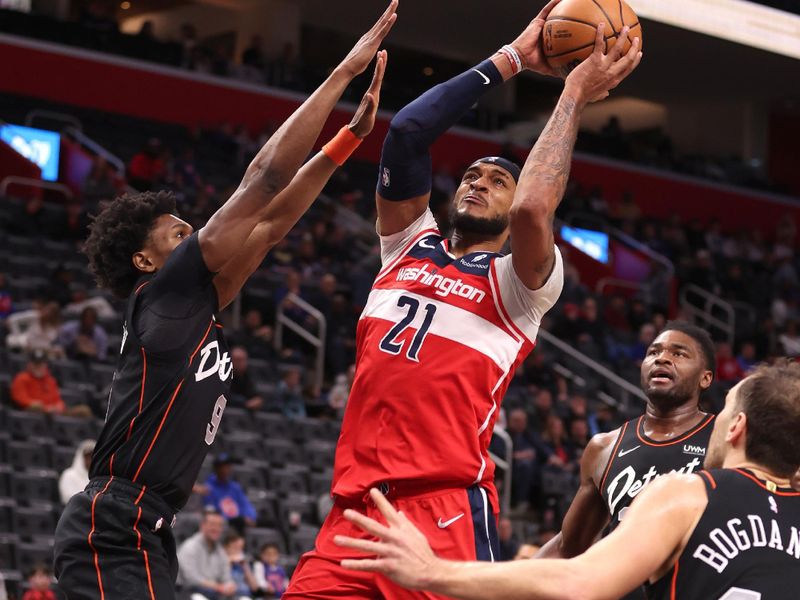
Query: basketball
[{"x": 570, "y": 28}]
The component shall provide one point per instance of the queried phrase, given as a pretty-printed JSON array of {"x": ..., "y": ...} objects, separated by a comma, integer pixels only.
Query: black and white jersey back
[
  {"x": 637, "y": 459},
  {"x": 169, "y": 388},
  {"x": 746, "y": 545}
]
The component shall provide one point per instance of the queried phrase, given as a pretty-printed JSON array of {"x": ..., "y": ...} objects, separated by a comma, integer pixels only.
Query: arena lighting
[
  {"x": 735, "y": 20},
  {"x": 125, "y": 5}
]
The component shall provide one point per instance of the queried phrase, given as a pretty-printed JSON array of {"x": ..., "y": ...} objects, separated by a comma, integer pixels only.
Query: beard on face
[
  {"x": 680, "y": 393},
  {"x": 482, "y": 226}
]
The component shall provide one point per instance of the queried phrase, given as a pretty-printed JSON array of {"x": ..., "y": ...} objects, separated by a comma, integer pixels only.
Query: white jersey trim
[{"x": 451, "y": 322}]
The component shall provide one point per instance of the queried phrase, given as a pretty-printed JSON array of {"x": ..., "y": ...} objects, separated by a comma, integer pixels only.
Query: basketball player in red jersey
[
  {"x": 448, "y": 320},
  {"x": 725, "y": 533}
]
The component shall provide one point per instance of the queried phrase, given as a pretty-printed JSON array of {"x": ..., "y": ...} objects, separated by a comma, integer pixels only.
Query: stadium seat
[
  {"x": 186, "y": 525},
  {"x": 237, "y": 420},
  {"x": 289, "y": 481},
  {"x": 7, "y": 508},
  {"x": 249, "y": 477},
  {"x": 35, "y": 453},
  {"x": 30, "y": 554},
  {"x": 308, "y": 429},
  {"x": 8, "y": 551},
  {"x": 101, "y": 375},
  {"x": 300, "y": 503},
  {"x": 13, "y": 580},
  {"x": 35, "y": 486},
  {"x": 281, "y": 452},
  {"x": 72, "y": 431},
  {"x": 302, "y": 539},
  {"x": 272, "y": 425},
  {"x": 68, "y": 370},
  {"x": 25, "y": 425},
  {"x": 256, "y": 537},
  {"x": 5, "y": 480},
  {"x": 241, "y": 445},
  {"x": 319, "y": 454},
  {"x": 264, "y": 502},
  {"x": 35, "y": 521},
  {"x": 4, "y": 439},
  {"x": 320, "y": 483},
  {"x": 62, "y": 458}
]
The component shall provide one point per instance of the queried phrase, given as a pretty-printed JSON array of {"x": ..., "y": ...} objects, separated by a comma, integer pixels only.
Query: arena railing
[
  {"x": 618, "y": 392},
  {"x": 316, "y": 340},
  {"x": 702, "y": 307},
  {"x": 37, "y": 183}
]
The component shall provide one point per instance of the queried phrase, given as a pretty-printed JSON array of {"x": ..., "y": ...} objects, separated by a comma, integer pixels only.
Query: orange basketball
[{"x": 570, "y": 28}]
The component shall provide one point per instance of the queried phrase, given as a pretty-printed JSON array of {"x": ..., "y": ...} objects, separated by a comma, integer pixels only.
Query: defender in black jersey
[
  {"x": 672, "y": 435},
  {"x": 170, "y": 386},
  {"x": 731, "y": 532}
]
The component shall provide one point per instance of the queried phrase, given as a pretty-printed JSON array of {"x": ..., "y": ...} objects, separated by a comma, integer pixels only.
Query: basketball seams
[
  {"x": 621, "y": 15},
  {"x": 608, "y": 18}
]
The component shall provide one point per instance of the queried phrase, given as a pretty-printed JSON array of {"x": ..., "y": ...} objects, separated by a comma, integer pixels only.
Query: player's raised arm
[
  {"x": 667, "y": 510},
  {"x": 588, "y": 514},
  {"x": 289, "y": 205},
  {"x": 278, "y": 161},
  {"x": 404, "y": 176},
  {"x": 544, "y": 177}
]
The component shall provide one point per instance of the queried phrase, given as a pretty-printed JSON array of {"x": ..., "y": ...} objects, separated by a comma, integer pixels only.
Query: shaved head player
[
  {"x": 114, "y": 540},
  {"x": 448, "y": 320},
  {"x": 727, "y": 533}
]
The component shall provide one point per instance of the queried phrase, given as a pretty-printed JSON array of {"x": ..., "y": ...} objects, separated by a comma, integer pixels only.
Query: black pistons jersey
[
  {"x": 170, "y": 385},
  {"x": 746, "y": 545},
  {"x": 637, "y": 459}
]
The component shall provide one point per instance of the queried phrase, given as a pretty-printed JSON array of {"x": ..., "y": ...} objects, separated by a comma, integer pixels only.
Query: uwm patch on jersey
[{"x": 438, "y": 343}]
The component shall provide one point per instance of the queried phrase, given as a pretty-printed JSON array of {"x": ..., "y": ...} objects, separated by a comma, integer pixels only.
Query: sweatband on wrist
[
  {"x": 341, "y": 146},
  {"x": 405, "y": 170},
  {"x": 513, "y": 56}
]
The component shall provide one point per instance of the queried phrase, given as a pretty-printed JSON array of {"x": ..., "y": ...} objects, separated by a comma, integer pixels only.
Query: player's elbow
[{"x": 267, "y": 178}]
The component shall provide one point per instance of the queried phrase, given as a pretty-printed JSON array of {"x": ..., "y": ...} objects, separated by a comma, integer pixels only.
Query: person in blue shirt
[
  {"x": 270, "y": 575},
  {"x": 227, "y": 496}
]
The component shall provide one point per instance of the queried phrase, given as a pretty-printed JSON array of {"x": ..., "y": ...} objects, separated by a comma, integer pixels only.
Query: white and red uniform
[{"x": 438, "y": 343}]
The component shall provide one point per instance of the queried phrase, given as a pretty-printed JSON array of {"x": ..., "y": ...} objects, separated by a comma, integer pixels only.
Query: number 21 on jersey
[{"x": 390, "y": 342}]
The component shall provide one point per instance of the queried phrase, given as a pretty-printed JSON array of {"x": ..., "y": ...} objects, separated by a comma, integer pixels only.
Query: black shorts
[{"x": 114, "y": 542}]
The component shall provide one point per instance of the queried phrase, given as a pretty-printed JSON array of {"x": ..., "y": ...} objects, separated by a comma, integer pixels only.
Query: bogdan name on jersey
[
  {"x": 629, "y": 485},
  {"x": 444, "y": 285},
  {"x": 725, "y": 545}
]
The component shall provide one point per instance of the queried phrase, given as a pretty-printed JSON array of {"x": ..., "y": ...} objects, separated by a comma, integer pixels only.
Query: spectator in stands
[
  {"x": 204, "y": 566},
  {"x": 185, "y": 173},
  {"x": 728, "y": 369},
  {"x": 256, "y": 337},
  {"x": 747, "y": 356},
  {"x": 40, "y": 581},
  {"x": 147, "y": 169},
  {"x": 524, "y": 469},
  {"x": 97, "y": 16},
  {"x": 340, "y": 391},
  {"x": 75, "y": 478},
  {"x": 270, "y": 575},
  {"x": 593, "y": 329},
  {"x": 543, "y": 408},
  {"x": 147, "y": 31},
  {"x": 579, "y": 435},
  {"x": 509, "y": 544},
  {"x": 636, "y": 352},
  {"x": 254, "y": 58},
  {"x": 84, "y": 338},
  {"x": 36, "y": 329},
  {"x": 188, "y": 42},
  {"x": 102, "y": 183},
  {"x": 243, "y": 388},
  {"x": 289, "y": 395},
  {"x": 553, "y": 447},
  {"x": 6, "y": 302},
  {"x": 226, "y": 496},
  {"x": 36, "y": 390},
  {"x": 242, "y": 574},
  {"x": 790, "y": 339}
]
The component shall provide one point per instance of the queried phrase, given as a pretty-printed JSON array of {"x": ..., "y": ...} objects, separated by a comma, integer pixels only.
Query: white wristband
[{"x": 512, "y": 52}]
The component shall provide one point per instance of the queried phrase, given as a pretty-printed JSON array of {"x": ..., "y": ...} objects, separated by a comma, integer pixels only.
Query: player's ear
[
  {"x": 737, "y": 429},
  {"x": 142, "y": 262},
  {"x": 706, "y": 379}
]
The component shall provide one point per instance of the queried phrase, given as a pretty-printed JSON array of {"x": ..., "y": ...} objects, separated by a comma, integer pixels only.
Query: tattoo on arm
[{"x": 549, "y": 161}]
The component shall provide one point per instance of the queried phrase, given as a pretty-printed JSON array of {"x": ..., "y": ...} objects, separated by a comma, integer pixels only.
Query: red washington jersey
[{"x": 437, "y": 345}]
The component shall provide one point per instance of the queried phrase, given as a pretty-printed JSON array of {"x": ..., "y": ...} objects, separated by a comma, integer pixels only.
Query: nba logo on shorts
[{"x": 385, "y": 177}]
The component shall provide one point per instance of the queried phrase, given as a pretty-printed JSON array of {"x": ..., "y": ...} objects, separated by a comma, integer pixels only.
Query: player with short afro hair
[{"x": 118, "y": 231}]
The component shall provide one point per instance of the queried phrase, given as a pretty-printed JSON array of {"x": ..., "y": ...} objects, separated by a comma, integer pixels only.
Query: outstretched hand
[
  {"x": 601, "y": 72},
  {"x": 403, "y": 553},
  {"x": 364, "y": 119},
  {"x": 357, "y": 61},
  {"x": 529, "y": 43}
]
